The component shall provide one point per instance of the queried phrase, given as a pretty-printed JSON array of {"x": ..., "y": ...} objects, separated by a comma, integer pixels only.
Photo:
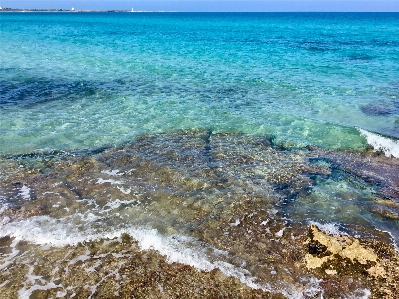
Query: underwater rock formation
[{"x": 231, "y": 215}]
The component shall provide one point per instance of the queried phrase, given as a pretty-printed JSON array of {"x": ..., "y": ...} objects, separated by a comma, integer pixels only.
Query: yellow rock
[
  {"x": 377, "y": 271},
  {"x": 355, "y": 251},
  {"x": 341, "y": 247},
  {"x": 386, "y": 202},
  {"x": 313, "y": 262},
  {"x": 331, "y": 272}
]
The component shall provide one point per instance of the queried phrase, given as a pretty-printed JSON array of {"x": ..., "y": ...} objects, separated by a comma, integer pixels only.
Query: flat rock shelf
[{"x": 193, "y": 214}]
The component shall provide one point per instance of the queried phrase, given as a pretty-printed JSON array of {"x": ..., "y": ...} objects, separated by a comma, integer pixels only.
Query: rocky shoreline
[{"x": 228, "y": 193}]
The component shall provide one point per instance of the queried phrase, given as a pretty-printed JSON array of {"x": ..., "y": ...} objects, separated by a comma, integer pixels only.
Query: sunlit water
[
  {"x": 73, "y": 81},
  {"x": 189, "y": 133}
]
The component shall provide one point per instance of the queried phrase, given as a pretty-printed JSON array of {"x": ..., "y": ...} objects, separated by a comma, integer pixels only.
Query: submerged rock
[
  {"x": 385, "y": 212},
  {"x": 380, "y": 110},
  {"x": 229, "y": 191}
]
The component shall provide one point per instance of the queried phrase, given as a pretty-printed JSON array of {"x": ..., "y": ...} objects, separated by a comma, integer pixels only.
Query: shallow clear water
[
  {"x": 72, "y": 81},
  {"x": 187, "y": 131}
]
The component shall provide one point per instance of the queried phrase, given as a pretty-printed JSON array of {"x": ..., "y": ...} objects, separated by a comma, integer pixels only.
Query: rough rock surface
[{"x": 229, "y": 191}]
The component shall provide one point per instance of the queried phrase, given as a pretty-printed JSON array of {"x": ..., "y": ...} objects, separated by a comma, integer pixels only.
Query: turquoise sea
[
  {"x": 157, "y": 124},
  {"x": 78, "y": 81}
]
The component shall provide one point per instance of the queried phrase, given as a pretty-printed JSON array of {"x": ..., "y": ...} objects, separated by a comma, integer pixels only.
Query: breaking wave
[{"x": 379, "y": 143}]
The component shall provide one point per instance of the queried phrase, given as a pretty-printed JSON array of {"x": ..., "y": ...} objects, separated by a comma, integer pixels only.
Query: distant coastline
[{"x": 73, "y": 11}]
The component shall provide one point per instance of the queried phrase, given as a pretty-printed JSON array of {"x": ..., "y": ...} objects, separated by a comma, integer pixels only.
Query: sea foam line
[
  {"x": 44, "y": 230},
  {"x": 379, "y": 143}
]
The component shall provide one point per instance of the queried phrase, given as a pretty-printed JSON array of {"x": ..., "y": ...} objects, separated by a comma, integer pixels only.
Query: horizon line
[{"x": 189, "y": 11}]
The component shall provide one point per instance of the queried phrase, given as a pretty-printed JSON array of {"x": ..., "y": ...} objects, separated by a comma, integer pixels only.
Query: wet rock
[
  {"x": 387, "y": 202},
  {"x": 336, "y": 247},
  {"x": 317, "y": 248},
  {"x": 385, "y": 212},
  {"x": 378, "y": 170},
  {"x": 196, "y": 183},
  {"x": 331, "y": 272},
  {"x": 373, "y": 261},
  {"x": 113, "y": 269}
]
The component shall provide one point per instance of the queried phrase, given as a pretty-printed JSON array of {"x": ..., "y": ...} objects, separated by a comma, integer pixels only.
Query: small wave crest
[
  {"x": 44, "y": 230},
  {"x": 379, "y": 143}
]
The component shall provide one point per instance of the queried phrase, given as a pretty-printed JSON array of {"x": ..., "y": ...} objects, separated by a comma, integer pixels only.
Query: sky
[{"x": 211, "y": 5}]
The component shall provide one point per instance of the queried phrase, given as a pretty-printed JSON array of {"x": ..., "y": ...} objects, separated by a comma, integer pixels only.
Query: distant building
[
  {"x": 72, "y": 9},
  {"x": 1, "y": 8}
]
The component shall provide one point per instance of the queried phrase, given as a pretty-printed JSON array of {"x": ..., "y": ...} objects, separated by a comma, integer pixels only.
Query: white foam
[
  {"x": 10, "y": 257},
  {"x": 312, "y": 288},
  {"x": 24, "y": 192},
  {"x": 93, "y": 268},
  {"x": 280, "y": 232},
  {"x": 5, "y": 220},
  {"x": 26, "y": 292},
  {"x": 388, "y": 146},
  {"x": 43, "y": 230},
  {"x": 264, "y": 222},
  {"x": 328, "y": 228},
  {"x": 61, "y": 294},
  {"x": 111, "y": 181},
  {"x": 112, "y": 205},
  {"x": 394, "y": 237},
  {"x": 124, "y": 191},
  {"x": 81, "y": 258},
  {"x": 236, "y": 223},
  {"x": 359, "y": 294},
  {"x": 88, "y": 217},
  {"x": 112, "y": 172}
]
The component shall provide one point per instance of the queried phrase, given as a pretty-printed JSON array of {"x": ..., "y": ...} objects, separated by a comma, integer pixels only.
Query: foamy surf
[
  {"x": 388, "y": 146},
  {"x": 46, "y": 231}
]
